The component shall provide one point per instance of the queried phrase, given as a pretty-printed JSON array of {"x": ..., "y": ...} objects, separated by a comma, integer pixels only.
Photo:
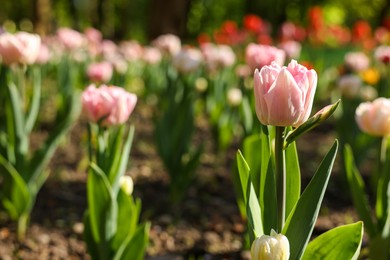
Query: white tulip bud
[
  {"x": 126, "y": 183},
  {"x": 273, "y": 247}
]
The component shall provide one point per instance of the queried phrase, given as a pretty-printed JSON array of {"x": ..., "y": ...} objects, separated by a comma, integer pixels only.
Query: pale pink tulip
[
  {"x": 284, "y": 95},
  {"x": 44, "y": 55},
  {"x": 187, "y": 60},
  {"x": 374, "y": 117},
  {"x": 70, "y": 39},
  {"x": 21, "y": 47},
  {"x": 218, "y": 56},
  {"x": 382, "y": 54},
  {"x": 257, "y": 55},
  {"x": 151, "y": 55},
  {"x": 357, "y": 61},
  {"x": 131, "y": 50},
  {"x": 109, "y": 104},
  {"x": 168, "y": 43},
  {"x": 291, "y": 48},
  {"x": 100, "y": 72},
  {"x": 349, "y": 85}
]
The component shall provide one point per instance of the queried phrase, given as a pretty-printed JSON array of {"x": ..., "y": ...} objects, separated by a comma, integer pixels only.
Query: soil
[{"x": 206, "y": 225}]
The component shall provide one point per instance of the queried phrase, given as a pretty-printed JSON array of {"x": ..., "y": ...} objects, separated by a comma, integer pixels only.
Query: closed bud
[
  {"x": 127, "y": 185},
  {"x": 273, "y": 247}
]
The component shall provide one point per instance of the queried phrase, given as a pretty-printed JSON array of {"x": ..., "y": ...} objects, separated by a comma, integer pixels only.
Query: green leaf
[
  {"x": 92, "y": 246},
  {"x": 243, "y": 170},
  {"x": 42, "y": 157},
  {"x": 119, "y": 169},
  {"x": 35, "y": 100},
  {"x": 252, "y": 152},
  {"x": 357, "y": 188},
  {"x": 101, "y": 204},
  {"x": 268, "y": 200},
  {"x": 254, "y": 212},
  {"x": 128, "y": 215},
  {"x": 342, "y": 242},
  {"x": 300, "y": 223},
  {"x": 18, "y": 199},
  {"x": 136, "y": 247},
  {"x": 293, "y": 178}
]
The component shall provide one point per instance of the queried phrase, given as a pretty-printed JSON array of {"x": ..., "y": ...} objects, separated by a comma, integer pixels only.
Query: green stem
[
  {"x": 280, "y": 171},
  {"x": 22, "y": 226}
]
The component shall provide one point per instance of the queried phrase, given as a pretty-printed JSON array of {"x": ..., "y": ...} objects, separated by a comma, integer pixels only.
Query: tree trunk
[{"x": 168, "y": 16}]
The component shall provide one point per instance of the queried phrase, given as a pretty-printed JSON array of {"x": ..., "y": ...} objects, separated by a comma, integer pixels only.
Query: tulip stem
[{"x": 280, "y": 173}]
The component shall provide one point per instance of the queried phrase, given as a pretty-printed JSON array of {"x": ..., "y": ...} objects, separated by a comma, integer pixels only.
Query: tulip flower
[
  {"x": 357, "y": 61},
  {"x": 284, "y": 95},
  {"x": 273, "y": 247},
  {"x": 234, "y": 97},
  {"x": 187, "y": 60},
  {"x": 70, "y": 39},
  {"x": 257, "y": 55},
  {"x": 374, "y": 117},
  {"x": 382, "y": 54},
  {"x": 151, "y": 55},
  {"x": 168, "y": 43},
  {"x": 21, "y": 47},
  {"x": 100, "y": 72},
  {"x": 110, "y": 104}
]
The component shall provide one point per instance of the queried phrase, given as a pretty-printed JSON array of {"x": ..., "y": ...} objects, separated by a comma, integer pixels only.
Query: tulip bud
[
  {"x": 274, "y": 247},
  {"x": 234, "y": 97},
  {"x": 127, "y": 184}
]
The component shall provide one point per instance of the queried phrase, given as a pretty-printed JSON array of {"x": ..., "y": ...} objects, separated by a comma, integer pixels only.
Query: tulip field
[{"x": 247, "y": 142}]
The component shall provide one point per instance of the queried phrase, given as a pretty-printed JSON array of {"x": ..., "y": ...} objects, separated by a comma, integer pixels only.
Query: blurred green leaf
[
  {"x": 300, "y": 223},
  {"x": 357, "y": 188},
  {"x": 293, "y": 178},
  {"x": 342, "y": 242}
]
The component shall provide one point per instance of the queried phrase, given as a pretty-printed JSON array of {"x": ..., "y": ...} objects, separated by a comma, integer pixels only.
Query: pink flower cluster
[{"x": 108, "y": 105}]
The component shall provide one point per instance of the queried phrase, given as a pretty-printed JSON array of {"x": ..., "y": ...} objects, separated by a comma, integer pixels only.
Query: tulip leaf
[
  {"x": 300, "y": 222},
  {"x": 35, "y": 100},
  {"x": 17, "y": 198},
  {"x": 102, "y": 205},
  {"x": 121, "y": 159},
  {"x": 243, "y": 171},
  {"x": 293, "y": 178},
  {"x": 342, "y": 242},
  {"x": 128, "y": 214},
  {"x": 253, "y": 213},
  {"x": 251, "y": 154},
  {"x": 357, "y": 188},
  {"x": 93, "y": 247},
  {"x": 136, "y": 245}
]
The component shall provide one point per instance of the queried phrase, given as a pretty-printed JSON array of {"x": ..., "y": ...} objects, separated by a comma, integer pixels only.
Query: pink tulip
[
  {"x": 100, "y": 72},
  {"x": 257, "y": 55},
  {"x": 187, "y": 60},
  {"x": 168, "y": 43},
  {"x": 291, "y": 48},
  {"x": 357, "y": 61},
  {"x": 374, "y": 117},
  {"x": 218, "y": 56},
  {"x": 21, "y": 47},
  {"x": 109, "y": 104},
  {"x": 44, "y": 55},
  {"x": 70, "y": 39},
  {"x": 284, "y": 95},
  {"x": 382, "y": 54},
  {"x": 151, "y": 55},
  {"x": 131, "y": 50}
]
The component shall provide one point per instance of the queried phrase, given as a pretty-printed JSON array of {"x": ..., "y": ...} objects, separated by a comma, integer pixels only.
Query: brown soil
[{"x": 207, "y": 224}]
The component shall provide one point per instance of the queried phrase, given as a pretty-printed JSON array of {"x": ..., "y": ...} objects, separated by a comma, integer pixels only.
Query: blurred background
[{"x": 143, "y": 20}]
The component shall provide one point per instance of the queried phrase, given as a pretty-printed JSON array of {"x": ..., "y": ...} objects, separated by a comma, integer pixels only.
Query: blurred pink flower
[
  {"x": 291, "y": 48},
  {"x": 218, "y": 56},
  {"x": 44, "y": 54},
  {"x": 151, "y": 55},
  {"x": 349, "y": 85},
  {"x": 257, "y": 56},
  {"x": 131, "y": 50},
  {"x": 70, "y": 39},
  {"x": 168, "y": 43},
  {"x": 187, "y": 60},
  {"x": 357, "y": 61},
  {"x": 111, "y": 105},
  {"x": 94, "y": 38},
  {"x": 284, "y": 95},
  {"x": 382, "y": 54},
  {"x": 243, "y": 70},
  {"x": 100, "y": 72},
  {"x": 374, "y": 117},
  {"x": 109, "y": 49},
  {"x": 21, "y": 47}
]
